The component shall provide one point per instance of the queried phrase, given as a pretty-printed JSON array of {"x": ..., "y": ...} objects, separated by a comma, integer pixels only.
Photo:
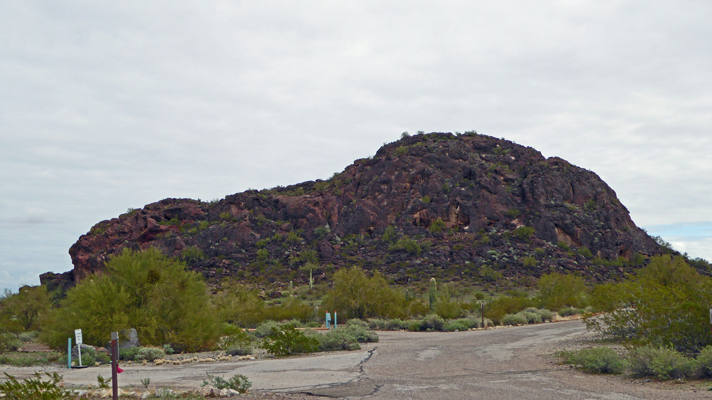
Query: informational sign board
[{"x": 78, "y": 338}]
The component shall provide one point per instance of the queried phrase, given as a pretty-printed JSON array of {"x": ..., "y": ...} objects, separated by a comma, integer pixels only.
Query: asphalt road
[{"x": 512, "y": 363}]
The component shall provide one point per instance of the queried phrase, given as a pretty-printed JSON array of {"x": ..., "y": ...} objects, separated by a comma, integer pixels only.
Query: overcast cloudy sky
[{"x": 110, "y": 105}]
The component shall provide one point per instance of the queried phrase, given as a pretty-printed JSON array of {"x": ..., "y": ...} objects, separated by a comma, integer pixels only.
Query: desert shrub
[
  {"x": 524, "y": 233},
  {"x": 662, "y": 363},
  {"x": 359, "y": 322},
  {"x": 448, "y": 308},
  {"x": 665, "y": 304},
  {"x": 361, "y": 333},
  {"x": 489, "y": 274},
  {"x": 286, "y": 340},
  {"x": 9, "y": 342},
  {"x": 406, "y": 244},
  {"x": 88, "y": 357},
  {"x": 335, "y": 340},
  {"x": 146, "y": 290},
  {"x": 237, "y": 382},
  {"x": 529, "y": 262},
  {"x": 461, "y": 324},
  {"x": 265, "y": 329},
  {"x": 239, "y": 305},
  {"x": 357, "y": 296},
  {"x": 557, "y": 290},
  {"x": 437, "y": 226},
  {"x": 102, "y": 358},
  {"x": 35, "y": 388},
  {"x": 28, "y": 336},
  {"x": 31, "y": 359},
  {"x": 239, "y": 350},
  {"x": 395, "y": 324},
  {"x": 532, "y": 316},
  {"x": 389, "y": 234},
  {"x": 149, "y": 354},
  {"x": 432, "y": 322},
  {"x": 567, "y": 311},
  {"x": 128, "y": 354},
  {"x": 602, "y": 360},
  {"x": 291, "y": 309},
  {"x": 514, "y": 319},
  {"x": 498, "y": 308},
  {"x": 704, "y": 360}
]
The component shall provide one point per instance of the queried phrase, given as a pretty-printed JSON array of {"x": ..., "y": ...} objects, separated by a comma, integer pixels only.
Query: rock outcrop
[{"x": 452, "y": 206}]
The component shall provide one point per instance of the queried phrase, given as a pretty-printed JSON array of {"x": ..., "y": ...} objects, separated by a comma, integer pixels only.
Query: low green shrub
[
  {"x": 265, "y": 329},
  {"x": 34, "y": 388},
  {"x": 704, "y": 360},
  {"x": 28, "y": 336},
  {"x": 601, "y": 360},
  {"x": 514, "y": 319},
  {"x": 395, "y": 324},
  {"x": 240, "y": 350},
  {"x": 9, "y": 342},
  {"x": 128, "y": 354},
  {"x": 30, "y": 359},
  {"x": 567, "y": 311},
  {"x": 237, "y": 382},
  {"x": 149, "y": 354},
  {"x": 335, "y": 340},
  {"x": 432, "y": 322},
  {"x": 461, "y": 324},
  {"x": 662, "y": 363},
  {"x": 286, "y": 340}
]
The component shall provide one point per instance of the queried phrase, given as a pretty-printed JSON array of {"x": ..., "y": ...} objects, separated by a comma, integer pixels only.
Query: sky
[{"x": 106, "y": 106}]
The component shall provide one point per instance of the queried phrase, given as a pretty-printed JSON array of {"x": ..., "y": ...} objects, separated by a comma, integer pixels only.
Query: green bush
[
  {"x": 360, "y": 333},
  {"x": 128, "y": 354},
  {"x": 406, "y": 244},
  {"x": 602, "y": 360},
  {"x": 146, "y": 290},
  {"x": 266, "y": 329},
  {"x": 287, "y": 340},
  {"x": 395, "y": 324},
  {"x": 665, "y": 304},
  {"x": 704, "y": 360},
  {"x": 567, "y": 311},
  {"x": 239, "y": 350},
  {"x": 9, "y": 342},
  {"x": 461, "y": 324},
  {"x": 662, "y": 363},
  {"x": 34, "y": 388},
  {"x": 355, "y": 295},
  {"x": 514, "y": 319},
  {"x": 557, "y": 291},
  {"x": 336, "y": 340},
  {"x": 437, "y": 226},
  {"x": 498, "y": 308},
  {"x": 432, "y": 322},
  {"x": 149, "y": 354},
  {"x": 237, "y": 382}
]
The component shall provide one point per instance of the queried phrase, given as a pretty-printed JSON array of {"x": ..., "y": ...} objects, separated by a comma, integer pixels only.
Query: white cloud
[{"x": 110, "y": 106}]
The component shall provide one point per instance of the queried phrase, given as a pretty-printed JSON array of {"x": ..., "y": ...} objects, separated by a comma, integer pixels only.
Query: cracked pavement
[{"x": 511, "y": 363}]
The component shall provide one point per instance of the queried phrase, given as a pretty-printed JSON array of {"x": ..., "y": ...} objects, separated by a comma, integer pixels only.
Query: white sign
[{"x": 78, "y": 335}]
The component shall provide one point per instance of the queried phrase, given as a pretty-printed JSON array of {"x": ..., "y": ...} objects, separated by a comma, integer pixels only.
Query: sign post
[
  {"x": 334, "y": 319},
  {"x": 78, "y": 338},
  {"x": 482, "y": 313},
  {"x": 328, "y": 320},
  {"x": 115, "y": 364},
  {"x": 69, "y": 351},
  {"x": 711, "y": 317}
]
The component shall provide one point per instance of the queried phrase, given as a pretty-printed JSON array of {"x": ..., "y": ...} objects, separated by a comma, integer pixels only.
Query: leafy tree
[
  {"x": 240, "y": 305},
  {"x": 355, "y": 295},
  {"x": 144, "y": 290},
  {"x": 665, "y": 304},
  {"x": 22, "y": 311},
  {"x": 557, "y": 291}
]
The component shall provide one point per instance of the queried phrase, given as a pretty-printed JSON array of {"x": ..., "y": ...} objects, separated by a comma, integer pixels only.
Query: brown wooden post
[{"x": 115, "y": 364}]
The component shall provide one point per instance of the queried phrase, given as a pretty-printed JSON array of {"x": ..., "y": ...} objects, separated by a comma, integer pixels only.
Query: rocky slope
[{"x": 466, "y": 206}]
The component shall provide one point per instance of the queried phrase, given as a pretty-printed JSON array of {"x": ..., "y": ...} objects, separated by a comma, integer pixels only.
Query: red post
[{"x": 115, "y": 364}]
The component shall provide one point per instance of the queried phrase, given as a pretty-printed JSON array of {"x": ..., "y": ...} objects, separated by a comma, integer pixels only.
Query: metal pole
[
  {"x": 482, "y": 313},
  {"x": 115, "y": 364},
  {"x": 334, "y": 319},
  {"x": 69, "y": 353}
]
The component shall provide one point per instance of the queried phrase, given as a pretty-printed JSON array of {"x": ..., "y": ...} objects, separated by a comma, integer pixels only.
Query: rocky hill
[{"x": 460, "y": 207}]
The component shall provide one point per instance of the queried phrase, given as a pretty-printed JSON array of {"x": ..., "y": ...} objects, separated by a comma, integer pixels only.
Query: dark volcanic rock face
[{"x": 427, "y": 205}]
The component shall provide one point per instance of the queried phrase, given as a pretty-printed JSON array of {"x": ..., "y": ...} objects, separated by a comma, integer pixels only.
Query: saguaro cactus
[{"x": 432, "y": 294}]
